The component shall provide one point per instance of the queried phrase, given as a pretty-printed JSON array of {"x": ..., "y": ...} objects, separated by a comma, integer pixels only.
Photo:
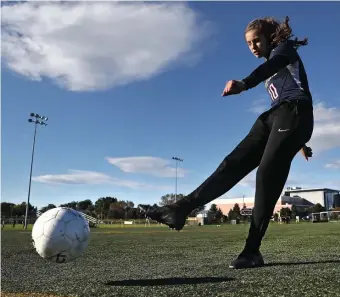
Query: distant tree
[
  {"x": 46, "y": 208},
  {"x": 316, "y": 208},
  {"x": 219, "y": 215},
  {"x": 235, "y": 213},
  {"x": 276, "y": 217},
  {"x": 116, "y": 211},
  {"x": 84, "y": 205},
  {"x": 133, "y": 213},
  {"x": 210, "y": 217},
  {"x": 237, "y": 210},
  {"x": 72, "y": 204},
  {"x": 127, "y": 206},
  {"x": 231, "y": 215},
  {"x": 120, "y": 210},
  {"x": 169, "y": 199},
  {"x": 20, "y": 209},
  {"x": 212, "y": 214},
  {"x": 7, "y": 209},
  {"x": 213, "y": 208},
  {"x": 90, "y": 211},
  {"x": 285, "y": 212},
  {"x": 102, "y": 206},
  {"x": 294, "y": 212}
]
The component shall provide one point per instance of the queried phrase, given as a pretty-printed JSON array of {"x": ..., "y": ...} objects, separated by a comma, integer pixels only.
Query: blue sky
[{"x": 128, "y": 86}]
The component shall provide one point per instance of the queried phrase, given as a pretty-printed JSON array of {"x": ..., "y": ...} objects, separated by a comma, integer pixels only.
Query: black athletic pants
[{"x": 273, "y": 141}]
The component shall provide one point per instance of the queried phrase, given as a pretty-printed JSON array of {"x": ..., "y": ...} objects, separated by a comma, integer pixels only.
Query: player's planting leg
[
  {"x": 269, "y": 185},
  {"x": 271, "y": 177},
  {"x": 242, "y": 160}
]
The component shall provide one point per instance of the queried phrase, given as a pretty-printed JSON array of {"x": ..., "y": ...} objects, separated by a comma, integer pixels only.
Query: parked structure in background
[
  {"x": 328, "y": 198},
  {"x": 301, "y": 198}
]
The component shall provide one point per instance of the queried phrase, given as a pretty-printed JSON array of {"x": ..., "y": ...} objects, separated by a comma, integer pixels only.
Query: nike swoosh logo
[{"x": 283, "y": 130}]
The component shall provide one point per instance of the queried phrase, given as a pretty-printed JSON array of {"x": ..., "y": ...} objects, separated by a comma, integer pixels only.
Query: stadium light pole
[
  {"x": 37, "y": 120},
  {"x": 176, "y": 160}
]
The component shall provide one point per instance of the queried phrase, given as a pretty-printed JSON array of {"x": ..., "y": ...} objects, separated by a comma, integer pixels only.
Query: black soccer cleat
[
  {"x": 170, "y": 215},
  {"x": 244, "y": 261}
]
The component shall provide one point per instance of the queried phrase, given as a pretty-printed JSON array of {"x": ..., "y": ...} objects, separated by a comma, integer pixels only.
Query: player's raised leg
[{"x": 242, "y": 160}]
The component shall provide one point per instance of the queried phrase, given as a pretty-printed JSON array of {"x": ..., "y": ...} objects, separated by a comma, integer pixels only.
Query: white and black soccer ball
[{"x": 61, "y": 235}]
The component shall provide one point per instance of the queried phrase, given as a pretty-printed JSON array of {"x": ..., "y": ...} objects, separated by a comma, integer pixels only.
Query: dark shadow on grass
[
  {"x": 168, "y": 281},
  {"x": 300, "y": 263}
]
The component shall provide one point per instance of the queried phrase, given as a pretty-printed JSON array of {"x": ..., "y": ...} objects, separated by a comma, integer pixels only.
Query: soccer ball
[{"x": 60, "y": 235}]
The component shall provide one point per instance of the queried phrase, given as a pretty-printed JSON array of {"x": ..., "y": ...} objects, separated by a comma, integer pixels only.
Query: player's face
[{"x": 257, "y": 43}]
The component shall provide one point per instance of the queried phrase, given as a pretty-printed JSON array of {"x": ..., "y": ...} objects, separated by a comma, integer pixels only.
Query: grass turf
[{"x": 302, "y": 260}]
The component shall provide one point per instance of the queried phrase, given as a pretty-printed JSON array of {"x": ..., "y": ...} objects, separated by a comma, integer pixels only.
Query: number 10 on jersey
[{"x": 273, "y": 92}]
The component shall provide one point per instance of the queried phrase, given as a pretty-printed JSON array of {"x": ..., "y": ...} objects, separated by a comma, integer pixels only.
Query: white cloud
[
  {"x": 335, "y": 165},
  {"x": 326, "y": 134},
  {"x": 149, "y": 165},
  {"x": 259, "y": 106},
  {"x": 80, "y": 177},
  {"x": 98, "y": 45}
]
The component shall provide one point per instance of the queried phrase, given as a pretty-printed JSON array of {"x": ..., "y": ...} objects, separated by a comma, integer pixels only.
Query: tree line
[
  {"x": 294, "y": 211},
  {"x": 215, "y": 215},
  {"x": 16, "y": 210},
  {"x": 103, "y": 208},
  {"x": 106, "y": 208}
]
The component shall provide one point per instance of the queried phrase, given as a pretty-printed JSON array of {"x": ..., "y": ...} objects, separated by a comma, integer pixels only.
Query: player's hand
[
  {"x": 306, "y": 152},
  {"x": 233, "y": 87}
]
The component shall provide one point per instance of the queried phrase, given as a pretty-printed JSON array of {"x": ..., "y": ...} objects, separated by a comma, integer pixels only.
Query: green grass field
[{"x": 301, "y": 260}]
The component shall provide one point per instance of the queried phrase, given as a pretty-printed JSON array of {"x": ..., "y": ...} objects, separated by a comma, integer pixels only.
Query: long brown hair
[{"x": 275, "y": 31}]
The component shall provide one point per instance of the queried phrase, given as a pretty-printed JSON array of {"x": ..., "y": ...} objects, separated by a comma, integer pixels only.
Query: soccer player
[{"x": 276, "y": 137}]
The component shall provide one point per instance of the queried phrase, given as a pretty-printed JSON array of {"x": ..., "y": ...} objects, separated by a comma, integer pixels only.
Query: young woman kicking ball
[{"x": 272, "y": 143}]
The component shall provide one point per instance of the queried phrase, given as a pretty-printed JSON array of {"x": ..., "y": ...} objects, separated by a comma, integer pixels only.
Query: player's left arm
[
  {"x": 259, "y": 75},
  {"x": 283, "y": 55}
]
